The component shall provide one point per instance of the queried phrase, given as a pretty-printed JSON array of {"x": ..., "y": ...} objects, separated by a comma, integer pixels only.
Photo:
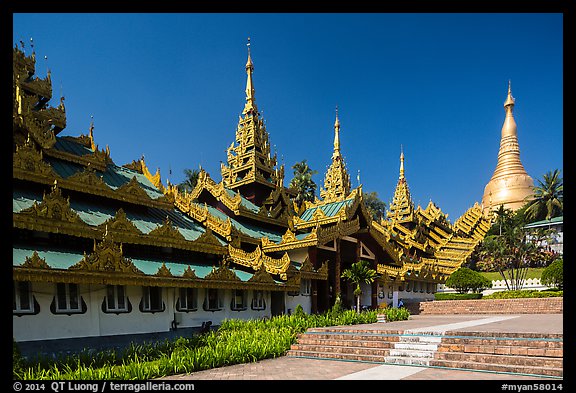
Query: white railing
[{"x": 500, "y": 285}]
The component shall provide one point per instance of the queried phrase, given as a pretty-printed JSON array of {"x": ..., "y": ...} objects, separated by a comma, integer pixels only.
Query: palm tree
[
  {"x": 302, "y": 182},
  {"x": 548, "y": 199},
  {"x": 191, "y": 179},
  {"x": 359, "y": 272},
  {"x": 503, "y": 216}
]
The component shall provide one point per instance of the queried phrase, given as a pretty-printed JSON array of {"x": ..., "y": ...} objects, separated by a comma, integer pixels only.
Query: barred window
[
  {"x": 258, "y": 302},
  {"x": 22, "y": 301},
  {"x": 188, "y": 299},
  {"x": 238, "y": 300},
  {"x": 68, "y": 297},
  {"x": 212, "y": 300},
  {"x": 305, "y": 287},
  {"x": 152, "y": 299},
  {"x": 116, "y": 300}
]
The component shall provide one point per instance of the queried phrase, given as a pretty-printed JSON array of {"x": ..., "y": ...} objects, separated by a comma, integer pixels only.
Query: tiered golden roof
[
  {"x": 402, "y": 207},
  {"x": 250, "y": 160},
  {"x": 337, "y": 180}
]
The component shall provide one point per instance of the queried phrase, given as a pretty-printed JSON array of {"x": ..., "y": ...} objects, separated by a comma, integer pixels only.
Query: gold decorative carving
[
  {"x": 262, "y": 277},
  {"x": 134, "y": 189},
  {"x": 29, "y": 159},
  {"x": 167, "y": 230},
  {"x": 89, "y": 179},
  {"x": 163, "y": 271},
  {"x": 189, "y": 273},
  {"x": 107, "y": 257},
  {"x": 222, "y": 273},
  {"x": 120, "y": 223},
  {"x": 208, "y": 238},
  {"x": 35, "y": 262},
  {"x": 55, "y": 207}
]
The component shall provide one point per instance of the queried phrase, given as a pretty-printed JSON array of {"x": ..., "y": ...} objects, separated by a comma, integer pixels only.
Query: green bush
[
  {"x": 395, "y": 314},
  {"x": 17, "y": 361},
  {"x": 235, "y": 341},
  {"x": 553, "y": 275},
  {"x": 523, "y": 294},
  {"x": 465, "y": 279},
  {"x": 457, "y": 296}
]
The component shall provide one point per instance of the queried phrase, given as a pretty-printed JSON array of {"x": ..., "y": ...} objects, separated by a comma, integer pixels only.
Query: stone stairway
[
  {"x": 516, "y": 353},
  {"x": 500, "y": 352},
  {"x": 414, "y": 350}
]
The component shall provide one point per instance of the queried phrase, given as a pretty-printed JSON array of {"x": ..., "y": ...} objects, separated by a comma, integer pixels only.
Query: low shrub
[
  {"x": 553, "y": 275},
  {"x": 465, "y": 279},
  {"x": 395, "y": 314},
  {"x": 456, "y": 296}
]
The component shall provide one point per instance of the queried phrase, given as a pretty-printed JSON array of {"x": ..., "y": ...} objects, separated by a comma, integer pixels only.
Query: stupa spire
[{"x": 510, "y": 185}]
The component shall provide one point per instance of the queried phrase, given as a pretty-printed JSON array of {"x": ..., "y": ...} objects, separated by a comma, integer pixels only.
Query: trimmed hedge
[
  {"x": 524, "y": 294},
  {"x": 465, "y": 279},
  {"x": 457, "y": 296},
  {"x": 553, "y": 275}
]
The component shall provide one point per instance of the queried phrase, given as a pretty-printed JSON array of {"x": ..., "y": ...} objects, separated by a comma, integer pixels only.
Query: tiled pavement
[{"x": 293, "y": 368}]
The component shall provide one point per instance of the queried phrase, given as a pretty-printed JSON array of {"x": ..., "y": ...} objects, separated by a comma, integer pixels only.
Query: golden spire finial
[
  {"x": 250, "y": 99},
  {"x": 336, "y": 134},
  {"x": 509, "y": 103},
  {"x": 91, "y": 134},
  {"x": 401, "y": 163},
  {"x": 249, "y": 62}
]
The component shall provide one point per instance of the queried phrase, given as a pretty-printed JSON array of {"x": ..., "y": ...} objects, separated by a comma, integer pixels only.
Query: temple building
[
  {"x": 102, "y": 250},
  {"x": 510, "y": 185}
]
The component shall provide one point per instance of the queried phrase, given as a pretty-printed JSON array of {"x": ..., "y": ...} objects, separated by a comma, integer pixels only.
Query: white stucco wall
[{"x": 45, "y": 325}]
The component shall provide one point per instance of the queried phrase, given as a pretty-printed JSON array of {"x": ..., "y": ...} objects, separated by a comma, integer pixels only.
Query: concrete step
[
  {"x": 408, "y": 360},
  {"x": 411, "y": 353},
  {"x": 510, "y": 360},
  {"x": 502, "y": 368},
  {"x": 337, "y": 356},
  {"x": 340, "y": 349},
  {"x": 349, "y": 337},
  {"x": 306, "y": 340},
  {"x": 416, "y": 346},
  {"x": 419, "y": 338},
  {"x": 505, "y": 341}
]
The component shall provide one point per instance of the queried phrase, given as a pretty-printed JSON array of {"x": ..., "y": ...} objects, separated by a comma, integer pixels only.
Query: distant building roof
[{"x": 552, "y": 221}]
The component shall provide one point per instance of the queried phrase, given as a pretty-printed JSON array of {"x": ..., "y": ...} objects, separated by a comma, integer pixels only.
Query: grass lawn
[{"x": 533, "y": 272}]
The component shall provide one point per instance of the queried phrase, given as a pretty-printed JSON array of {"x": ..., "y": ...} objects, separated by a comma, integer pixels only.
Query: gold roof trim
[
  {"x": 256, "y": 258},
  {"x": 289, "y": 242},
  {"x": 341, "y": 229}
]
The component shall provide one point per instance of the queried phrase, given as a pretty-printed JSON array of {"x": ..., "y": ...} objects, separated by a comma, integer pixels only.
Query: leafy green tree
[
  {"x": 553, "y": 275},
  {"x": 191, "y": 179},
  {"x": 359, "y": 272},
  {"x": 548, "y": 199},
  {"x": 465, "y": 279},
  {"x": 375, "y": 206},
  {"x": 510, "y": 253},
  {"x": 302, "y": 182}
]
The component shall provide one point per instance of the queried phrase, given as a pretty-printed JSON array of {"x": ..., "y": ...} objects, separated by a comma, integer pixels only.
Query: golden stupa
[{"x": 510, "y": 185}]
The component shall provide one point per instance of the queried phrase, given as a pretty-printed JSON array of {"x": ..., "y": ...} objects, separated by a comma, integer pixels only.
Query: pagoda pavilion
[{"x": 102, "y": 250}]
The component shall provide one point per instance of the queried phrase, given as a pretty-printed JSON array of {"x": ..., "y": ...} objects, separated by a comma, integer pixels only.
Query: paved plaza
[{"x": 294, "y": 368}]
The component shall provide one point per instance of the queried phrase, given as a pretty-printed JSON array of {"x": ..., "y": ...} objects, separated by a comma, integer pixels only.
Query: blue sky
[{"x": 171, "y": 87}]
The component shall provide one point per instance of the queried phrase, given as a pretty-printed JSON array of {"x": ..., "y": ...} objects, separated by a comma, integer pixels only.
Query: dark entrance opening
[{"x": 278, "y": 306}]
